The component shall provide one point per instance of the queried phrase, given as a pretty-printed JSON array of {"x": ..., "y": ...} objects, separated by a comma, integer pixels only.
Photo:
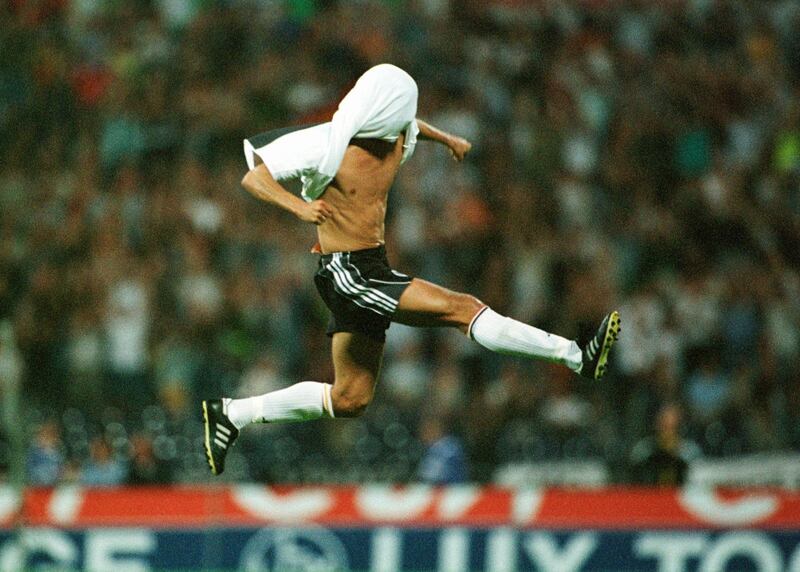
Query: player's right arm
[
  {"x": 283, "y": 155},
  {"x": 260, "y": 183}
]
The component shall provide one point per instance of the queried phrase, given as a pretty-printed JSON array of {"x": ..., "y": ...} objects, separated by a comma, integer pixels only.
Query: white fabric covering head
[{"x": 382, "y": 105}]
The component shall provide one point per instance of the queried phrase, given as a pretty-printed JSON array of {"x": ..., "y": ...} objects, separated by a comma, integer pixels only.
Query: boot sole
[
  {"x": 612, "y": 335},
  {"x": 207, "y": 441}
]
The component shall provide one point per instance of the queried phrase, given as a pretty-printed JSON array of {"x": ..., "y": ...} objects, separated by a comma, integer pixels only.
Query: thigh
[
  {"x": 357, "y": 364},
  {"x": 428, "y": 305}
]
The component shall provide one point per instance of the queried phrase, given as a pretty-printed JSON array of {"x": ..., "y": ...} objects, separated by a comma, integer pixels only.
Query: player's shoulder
[
  {"x": 290, "y": 152},
  {"x": 306, "y": 130}
]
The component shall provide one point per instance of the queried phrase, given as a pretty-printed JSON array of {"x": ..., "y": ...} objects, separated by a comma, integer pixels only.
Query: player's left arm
[{"x": 458, "y": 146}]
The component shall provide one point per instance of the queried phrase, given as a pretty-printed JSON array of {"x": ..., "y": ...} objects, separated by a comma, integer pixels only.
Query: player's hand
[
  {"x": 315, "y": 212},
  {"x": 459, "y": 147}
]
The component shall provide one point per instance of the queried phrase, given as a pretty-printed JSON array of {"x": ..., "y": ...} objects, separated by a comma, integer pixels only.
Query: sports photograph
[{"x": 400, "y": 285}]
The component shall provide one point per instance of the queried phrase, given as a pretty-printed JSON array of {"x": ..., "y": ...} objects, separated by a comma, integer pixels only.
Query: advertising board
[{"x": 382, "y": 529}]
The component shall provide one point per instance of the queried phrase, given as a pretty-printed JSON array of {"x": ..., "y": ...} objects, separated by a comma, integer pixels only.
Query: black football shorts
[{"x": 360, "y": 290}]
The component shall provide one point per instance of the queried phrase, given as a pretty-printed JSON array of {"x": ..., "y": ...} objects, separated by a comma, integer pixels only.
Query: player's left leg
[{"x": 428, "y": 305}]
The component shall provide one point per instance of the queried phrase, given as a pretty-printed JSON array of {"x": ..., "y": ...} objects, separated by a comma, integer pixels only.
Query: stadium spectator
[
  {"x": 145, "y": 468},
  {"x": 663, "y": 458},
  {"x": 46, "y": 459},
  {"x": 103, "y": 468},
  {"x": 444, "y": 462}
]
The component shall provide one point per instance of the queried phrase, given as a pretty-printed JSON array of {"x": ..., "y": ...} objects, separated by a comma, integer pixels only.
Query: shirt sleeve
[{"x": 291, "y": 155}]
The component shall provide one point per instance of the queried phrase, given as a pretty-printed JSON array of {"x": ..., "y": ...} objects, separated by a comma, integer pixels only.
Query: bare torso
[{"x": 358, "y": 196}]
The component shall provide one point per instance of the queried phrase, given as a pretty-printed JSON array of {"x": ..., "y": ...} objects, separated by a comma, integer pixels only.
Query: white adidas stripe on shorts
[{"x": 348, "y": 282}]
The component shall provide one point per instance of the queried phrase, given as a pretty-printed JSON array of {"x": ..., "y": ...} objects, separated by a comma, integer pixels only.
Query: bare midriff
[{"x": 358, "y": 196}]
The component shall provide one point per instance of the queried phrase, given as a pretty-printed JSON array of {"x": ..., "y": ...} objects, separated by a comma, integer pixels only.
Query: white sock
[
  {"x": 508, "y": 336},
  {"x": 302, "y": 401}
]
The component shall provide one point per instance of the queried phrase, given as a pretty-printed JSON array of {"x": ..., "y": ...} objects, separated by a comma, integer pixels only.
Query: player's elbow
[{"x": 248, "y": 181}]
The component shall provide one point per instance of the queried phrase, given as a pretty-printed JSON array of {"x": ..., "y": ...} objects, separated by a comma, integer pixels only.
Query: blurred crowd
[{"x": 628, "y": 153}]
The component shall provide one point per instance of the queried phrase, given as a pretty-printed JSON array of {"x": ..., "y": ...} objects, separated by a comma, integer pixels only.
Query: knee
[
  {"x": 463, "y": 308},
  {"x": 349, "y": 404}
]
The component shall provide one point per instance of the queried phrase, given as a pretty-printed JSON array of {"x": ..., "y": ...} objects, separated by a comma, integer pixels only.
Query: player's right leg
[
  {"x": 426, "y": 304},
  {"x": 356, "y": 360},
  {"x": 357, "y": 363}
]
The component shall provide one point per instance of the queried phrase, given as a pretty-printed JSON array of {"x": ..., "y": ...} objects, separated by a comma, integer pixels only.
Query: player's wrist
[{"x": 298, "y": 207}]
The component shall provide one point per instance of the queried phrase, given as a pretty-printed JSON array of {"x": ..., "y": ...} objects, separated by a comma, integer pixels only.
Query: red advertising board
[{"x": 414, "y": 505}]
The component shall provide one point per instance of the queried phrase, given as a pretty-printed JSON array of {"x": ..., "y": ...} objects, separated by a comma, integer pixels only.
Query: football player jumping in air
[{"x": 347, "y": 167}]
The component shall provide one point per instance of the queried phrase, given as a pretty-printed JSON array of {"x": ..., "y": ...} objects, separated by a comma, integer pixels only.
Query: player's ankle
[{"x": 241, "y": 412}]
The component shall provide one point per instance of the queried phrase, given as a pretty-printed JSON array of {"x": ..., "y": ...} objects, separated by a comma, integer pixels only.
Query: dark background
[{"x": 630, "y": 154}]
